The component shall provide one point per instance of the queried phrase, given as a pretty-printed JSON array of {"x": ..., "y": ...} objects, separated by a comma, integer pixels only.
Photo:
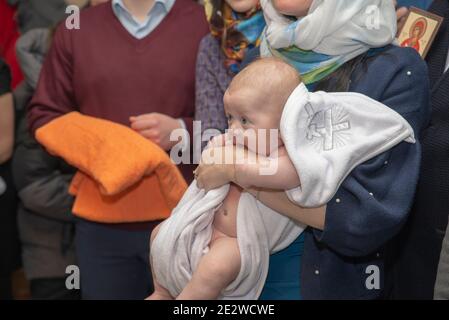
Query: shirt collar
[{"x": 118, "y": 5}]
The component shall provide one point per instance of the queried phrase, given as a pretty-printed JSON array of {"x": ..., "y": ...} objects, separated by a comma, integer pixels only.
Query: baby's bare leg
[
  {"x": 216, "y": 270},
  {"x": 160, "y": 293}
]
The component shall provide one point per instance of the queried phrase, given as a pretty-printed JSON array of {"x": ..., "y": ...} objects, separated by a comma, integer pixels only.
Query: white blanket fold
[
  {"x": 326, "y": 135},
  {"x": 184, "y": 238}
]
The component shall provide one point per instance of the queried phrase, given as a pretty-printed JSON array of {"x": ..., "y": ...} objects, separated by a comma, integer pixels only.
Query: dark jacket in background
[
  {"x": 38, "y": 13},
  {"x": 421, "y": 239},
  {"x": 46, "y": 225},
  {"x": 9, "y": 244}
]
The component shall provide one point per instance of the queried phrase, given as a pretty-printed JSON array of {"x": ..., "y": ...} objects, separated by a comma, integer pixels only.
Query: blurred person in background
[
  {"x": 8, "y": 36},
  {"x": 42, "y": 14},
  {"x": 153, "y": 45},
  {"x": 221, "y": 55},
  {"x": 422, "y": 237},
  {"x": 46, "y": 224},
  {"x": 9, "y": 244}
]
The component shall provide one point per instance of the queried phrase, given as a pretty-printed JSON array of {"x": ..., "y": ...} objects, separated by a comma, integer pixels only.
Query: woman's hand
[{"x": 156, "y": 127}]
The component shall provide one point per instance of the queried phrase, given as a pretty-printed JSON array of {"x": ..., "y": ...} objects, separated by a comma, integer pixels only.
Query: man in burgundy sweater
[{"x": 131, "y": 62}]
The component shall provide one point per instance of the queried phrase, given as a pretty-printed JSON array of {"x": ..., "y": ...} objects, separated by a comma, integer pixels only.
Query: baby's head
[{"x": 256, "y": 96}]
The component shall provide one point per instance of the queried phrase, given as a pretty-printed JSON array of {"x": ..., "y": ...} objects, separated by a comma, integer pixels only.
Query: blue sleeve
[{"x": 373, "y": 203}]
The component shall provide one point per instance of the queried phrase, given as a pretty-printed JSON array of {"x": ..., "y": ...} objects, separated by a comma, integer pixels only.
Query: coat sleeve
[
  {"x": 42, "y": 187},
  {"x": 54, "y": 94},
  {"x": 373, "y": 203},
  {"x": 49, "y": 197},
  {"x": 29, "y": 49}
]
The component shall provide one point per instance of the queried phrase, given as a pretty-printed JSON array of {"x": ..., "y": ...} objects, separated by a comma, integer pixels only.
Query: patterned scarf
[
  {"x": 237, "y": 32},
  {"x": 312, "y": 66}
]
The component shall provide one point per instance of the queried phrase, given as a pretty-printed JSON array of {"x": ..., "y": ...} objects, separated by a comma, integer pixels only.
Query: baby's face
[
  {"x": 249, "y": 110},
  {"x": 296, "y": 8}
]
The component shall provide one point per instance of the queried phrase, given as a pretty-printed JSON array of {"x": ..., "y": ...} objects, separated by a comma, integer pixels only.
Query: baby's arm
[
  {"x": 255, "y": 170},
  {"x": 276, "y": 173}
]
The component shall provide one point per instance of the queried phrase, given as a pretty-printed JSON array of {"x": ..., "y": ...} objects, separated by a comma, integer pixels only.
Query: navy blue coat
[{"x": 373, "y": 203}]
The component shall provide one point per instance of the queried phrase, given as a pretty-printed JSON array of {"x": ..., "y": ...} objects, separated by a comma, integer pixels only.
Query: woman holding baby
[{"x": 348, "y": 249}]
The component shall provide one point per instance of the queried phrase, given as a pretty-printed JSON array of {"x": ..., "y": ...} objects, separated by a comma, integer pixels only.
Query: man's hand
[{"x": 157, "y": 128}]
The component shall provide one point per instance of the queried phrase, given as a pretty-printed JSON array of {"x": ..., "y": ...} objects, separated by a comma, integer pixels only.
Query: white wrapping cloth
[
  {"x": 184, "y": 238},
  {"x": 326, "y": 135}
]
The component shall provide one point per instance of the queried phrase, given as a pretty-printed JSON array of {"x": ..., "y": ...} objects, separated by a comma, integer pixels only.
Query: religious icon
[{"x": 419, "y": 30}]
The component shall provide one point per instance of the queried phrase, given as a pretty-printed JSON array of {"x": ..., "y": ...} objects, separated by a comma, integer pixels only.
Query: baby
[{"x": 254, "y": 100}]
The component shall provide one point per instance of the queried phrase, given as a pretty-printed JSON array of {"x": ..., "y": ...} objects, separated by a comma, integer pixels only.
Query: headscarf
[
  {"x": 237, "y": 32},
  {"x": 332, "y": 33}
]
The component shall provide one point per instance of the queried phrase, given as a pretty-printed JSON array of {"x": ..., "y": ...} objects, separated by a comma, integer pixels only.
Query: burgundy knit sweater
[{"x": 103, "y": 71}]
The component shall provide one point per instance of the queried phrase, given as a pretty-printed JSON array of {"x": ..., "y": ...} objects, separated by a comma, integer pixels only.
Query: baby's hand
[{"x": 214, "y": 171}]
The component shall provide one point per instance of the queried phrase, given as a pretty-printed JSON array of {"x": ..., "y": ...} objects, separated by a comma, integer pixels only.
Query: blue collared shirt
[{"x": 139, "y": 29}]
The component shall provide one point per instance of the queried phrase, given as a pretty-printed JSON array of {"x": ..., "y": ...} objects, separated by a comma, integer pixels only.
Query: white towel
[
  {"x": 184, "y": 238},
  {"x": 326, "y": 135}
]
